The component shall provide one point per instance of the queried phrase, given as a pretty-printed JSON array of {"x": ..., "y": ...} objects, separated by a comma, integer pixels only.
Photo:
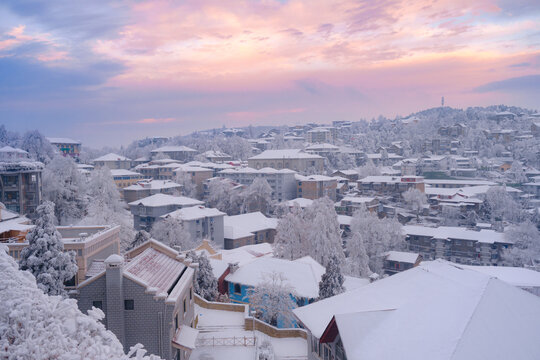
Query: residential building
[
  {"x": 181, "y": 153},
  {"x": 91, "y": 245},
  {"x": 20, "y": 186},
  {"x": 198, "y": 176},
  {"x": 398, "y": 261},
  {"x": 383, "y": 159},
  {"x": 294, "y": 159},
  {"x": 13, "y": 226},
  {"x": 113, "y": 161},
  {"x": 217, "y": 156},
  {"x": 457, "y": 183},
  {"x": 282, "y": 182},
  {"x": 147, "y": 299},
  {"x": 8, "y": 153},
  {"x": 316, "y": 186},
  {"x": 457, "y": 244},
  {"x": 391, "y": 184},
  {"x": 124, "y": 178},
  {"x": 201, "y": 222},
  {"x": 247, "y": 229},
  {"x": 321, "y": 135},
  {"x": 437, "y": 310},
  {"x": 352, "y": 175},
  {"x": 145, "y": 188},
  {"x": 323, "y": 149},
  {"x": 148, "y": 210},
  {"x": 302, "y": 275},
  {"x": 350, "y": 204},
  {"x": 66, "y": 146}
]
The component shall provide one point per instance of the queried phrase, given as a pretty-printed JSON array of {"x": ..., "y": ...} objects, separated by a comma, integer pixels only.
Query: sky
[{"x": 107, "y": 72}]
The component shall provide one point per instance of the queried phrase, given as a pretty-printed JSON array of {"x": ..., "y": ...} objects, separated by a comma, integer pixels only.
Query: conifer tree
[{"x": 331, "y": 283}]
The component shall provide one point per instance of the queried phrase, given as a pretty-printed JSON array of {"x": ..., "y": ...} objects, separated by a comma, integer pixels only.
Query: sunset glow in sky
[{"x": 107, "y": 72}]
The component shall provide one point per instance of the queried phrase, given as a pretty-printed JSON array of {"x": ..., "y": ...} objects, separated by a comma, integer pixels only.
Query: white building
[{"x": 282, "y": 182}]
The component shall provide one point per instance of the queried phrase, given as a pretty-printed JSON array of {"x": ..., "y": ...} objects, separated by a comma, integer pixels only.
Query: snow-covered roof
[
  {"x": 459, "y": 233},
  {"x": 63, "y": 141},
  {"x": 124, "y": 172},
  {"x": 347, "y": 172},
  {"x": 358, "y": 199},
  {"x": 248, "y": 170},
  {"x": 284, "y": 154},
  {"x": 344, "y": 220},
  {"x": 401, "y": 256},
  {"x": 458, "y": 182},
  {"x": 165, "y": 200},
  {"x": 13, "y": 222},
  {"x": 517, "y": 276},
  {"x": 247, "y": 223},
  {"x": 434, "y": 311},
  {"x": 215, "y": 154},
  {"x": 166, "y": 149},
  {"x": 153, "y": 184},
  {"x": 112, "y": 157},
  {"x": 156, "y": 269},
  {"x": 302, "y": 202},
  {"x": 9, "y": 149},
  {"x": 314, "y": 178},
  {"x": 185, "y": 337},
  {"x": 323, "y": 146},
  {"x": 247, "y": 253},
  {"x": 194, "y": 213},
  {"x": 380, "y": 179}
]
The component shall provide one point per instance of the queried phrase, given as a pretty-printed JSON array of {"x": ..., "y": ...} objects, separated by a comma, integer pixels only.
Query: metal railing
[{"x": 226, "y": 341}]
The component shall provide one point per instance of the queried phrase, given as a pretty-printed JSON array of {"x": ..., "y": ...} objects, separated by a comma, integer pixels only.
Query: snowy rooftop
[
  {"x": 112, "y": 157},
  {"x": 323, "y": 146},
  {"x": 247, "y": 253},
  {"x": 194, "y": 213},
  {"x": 9, "y": 149},
  {"x": 248, "y": 170},
  {"x": 215, "y": 154},
  {"x": 153, "y": 184},
  {"x": 302, "y": 202},
  {"x": 249, "y": 223},
  {"x": 347, "y": 172},
  {"x": 63, "y": 141},
  {"x": 517, "y": 276},
  {"x": 17, "y": 166},
  {"x": 380, "y": 179},
  {"x": 123, "y": 172},
  {"x": 314, "y": 178},
  {"x": 434, "y": 311},
  {"x": 401, "y": 256},
  {"x": 344, "y": 220},
  {"x": 458, "y": 182},
  {"x": 173, "y": 149},
  {"x": 284, "y": 154},
  {"x": 166, "y": 200},
  {"x": 451, "y": 232},
  {"x": 358, "y": 199}
]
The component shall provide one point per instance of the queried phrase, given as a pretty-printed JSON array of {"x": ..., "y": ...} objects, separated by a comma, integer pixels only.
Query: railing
[{"x": 226, "y": 341}]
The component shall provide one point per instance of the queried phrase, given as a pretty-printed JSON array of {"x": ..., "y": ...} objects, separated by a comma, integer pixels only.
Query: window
[
  {"x": 176, "y": 322},
  {"x": 129, "y": 305},
  {"x": 190, "y": 294},
  {"x": 237, "y": 289},
  {"x": 98, "y": 304},
  {"x": 185, "y": 307}
]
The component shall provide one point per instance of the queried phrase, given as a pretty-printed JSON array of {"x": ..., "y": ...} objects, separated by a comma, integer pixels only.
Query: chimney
[
  {"x": 115, "y": 296},
  {"x": 233, "y": 267}
]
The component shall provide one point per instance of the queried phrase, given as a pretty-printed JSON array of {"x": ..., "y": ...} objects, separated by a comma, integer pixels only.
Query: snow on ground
[{"x": 228, "y": 324}]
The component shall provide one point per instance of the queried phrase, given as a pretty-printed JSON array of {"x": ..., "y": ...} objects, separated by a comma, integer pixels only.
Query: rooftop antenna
[{"x": 442, "y": 101}]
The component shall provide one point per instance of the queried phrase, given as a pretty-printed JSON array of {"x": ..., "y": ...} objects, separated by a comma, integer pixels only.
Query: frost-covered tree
[
  {"x": 206, "y": 284},
  {"x": 44, "y": 257},
  {"x": 371, "y": 237},
  {"x": 38, "y": 146},
  {"x": 223, "y": 196},
  {"x": 369, "y": 169},
  {"x": 171, "y": 232},
  {"x": 526, "y": 248},
  {"x": 272, "y": 301},
  {"x": 313, "y": 231},
  {"x": 415, "y": 199},
  {"x": 64, "y": 186},
  {"x": 140, "y": 238},
  {"x": 106, "y": 207},
  {"x": 499, "y": 206},
  {"x": 331, "y": 283},
  {"x": 450, "y": 215},
  {"x": 265, "y": 350},
  {"x": 189, "y": 188},
  {"x": 257, "y": 196},
  {"x": 34, "y": 325},
  {"x": 515, "y": 173}
]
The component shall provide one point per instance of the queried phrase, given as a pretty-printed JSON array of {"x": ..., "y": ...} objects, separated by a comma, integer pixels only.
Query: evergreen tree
[
  {"x": 332, "y": 280},
  {"x": 44, "y": 256},
  {"x": 140, "y": 238},
  {"x": 206, "y": 284}
]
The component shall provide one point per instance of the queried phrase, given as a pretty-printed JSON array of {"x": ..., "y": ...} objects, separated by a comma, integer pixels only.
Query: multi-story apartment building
[
  {"x": 66, "y": 146},
  {"x": 181, "y": 153},
  {"x": 147, "y": 298},
  {"x": 316, "y": 186},
  {"x": 294, "y": 159},
  {"x": 282, "y": 182},
  {"x": 20, "y": 186},
  {"x": 248, "y": 229},
  {"x": 91, "y": 244},
  {"x": 148, "y": 210},
  {"x": 457, "y": 244},
  {"x": 145, "y": 188},
  {"x": 201, "y": 222},
  {"x": 391, "y": 184},
  {"x": 124, "y": 178},
  {"x": 321, "y": 135},
  {"x": 198, "y": 175},
  {"x": 113, "y": 161}
]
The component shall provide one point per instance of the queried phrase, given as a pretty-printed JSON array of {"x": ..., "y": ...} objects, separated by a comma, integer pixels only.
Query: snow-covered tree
[
  {"x": 171, "y": 232},
  {"x": 450, "y": 215},
  {"x": 265, "y": 350},
  {"x": 38, "y": 146},
  {"x": 34, "y": 325},
  {"x": 415, "y": 199},
  {"x": 515, "y": 173},
  {"x": 313, "y": 231},
  {"x": 373, "y": 237},
  {"x": 369, "y": 169},
  {"x": 223, "y": 196},
  {"x": 106, "y": 207},
  {"x": 140, "y": 238},
  {"x": 44, "y": 256},
  {"x": 526, "y": 248},
  {"x": 272, "y": 300},
  {"x": 331, "y": 283},
  {"x": 499, "y": 206},
  {"x": 64, "y": 186},
  {"x": 189, "y": 188},
  {"x": 206, "y": 284},
  {"x": 257, "y": 196}
]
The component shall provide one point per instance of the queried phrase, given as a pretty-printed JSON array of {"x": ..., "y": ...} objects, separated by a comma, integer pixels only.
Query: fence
[{"x": 227, "y": 341}]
